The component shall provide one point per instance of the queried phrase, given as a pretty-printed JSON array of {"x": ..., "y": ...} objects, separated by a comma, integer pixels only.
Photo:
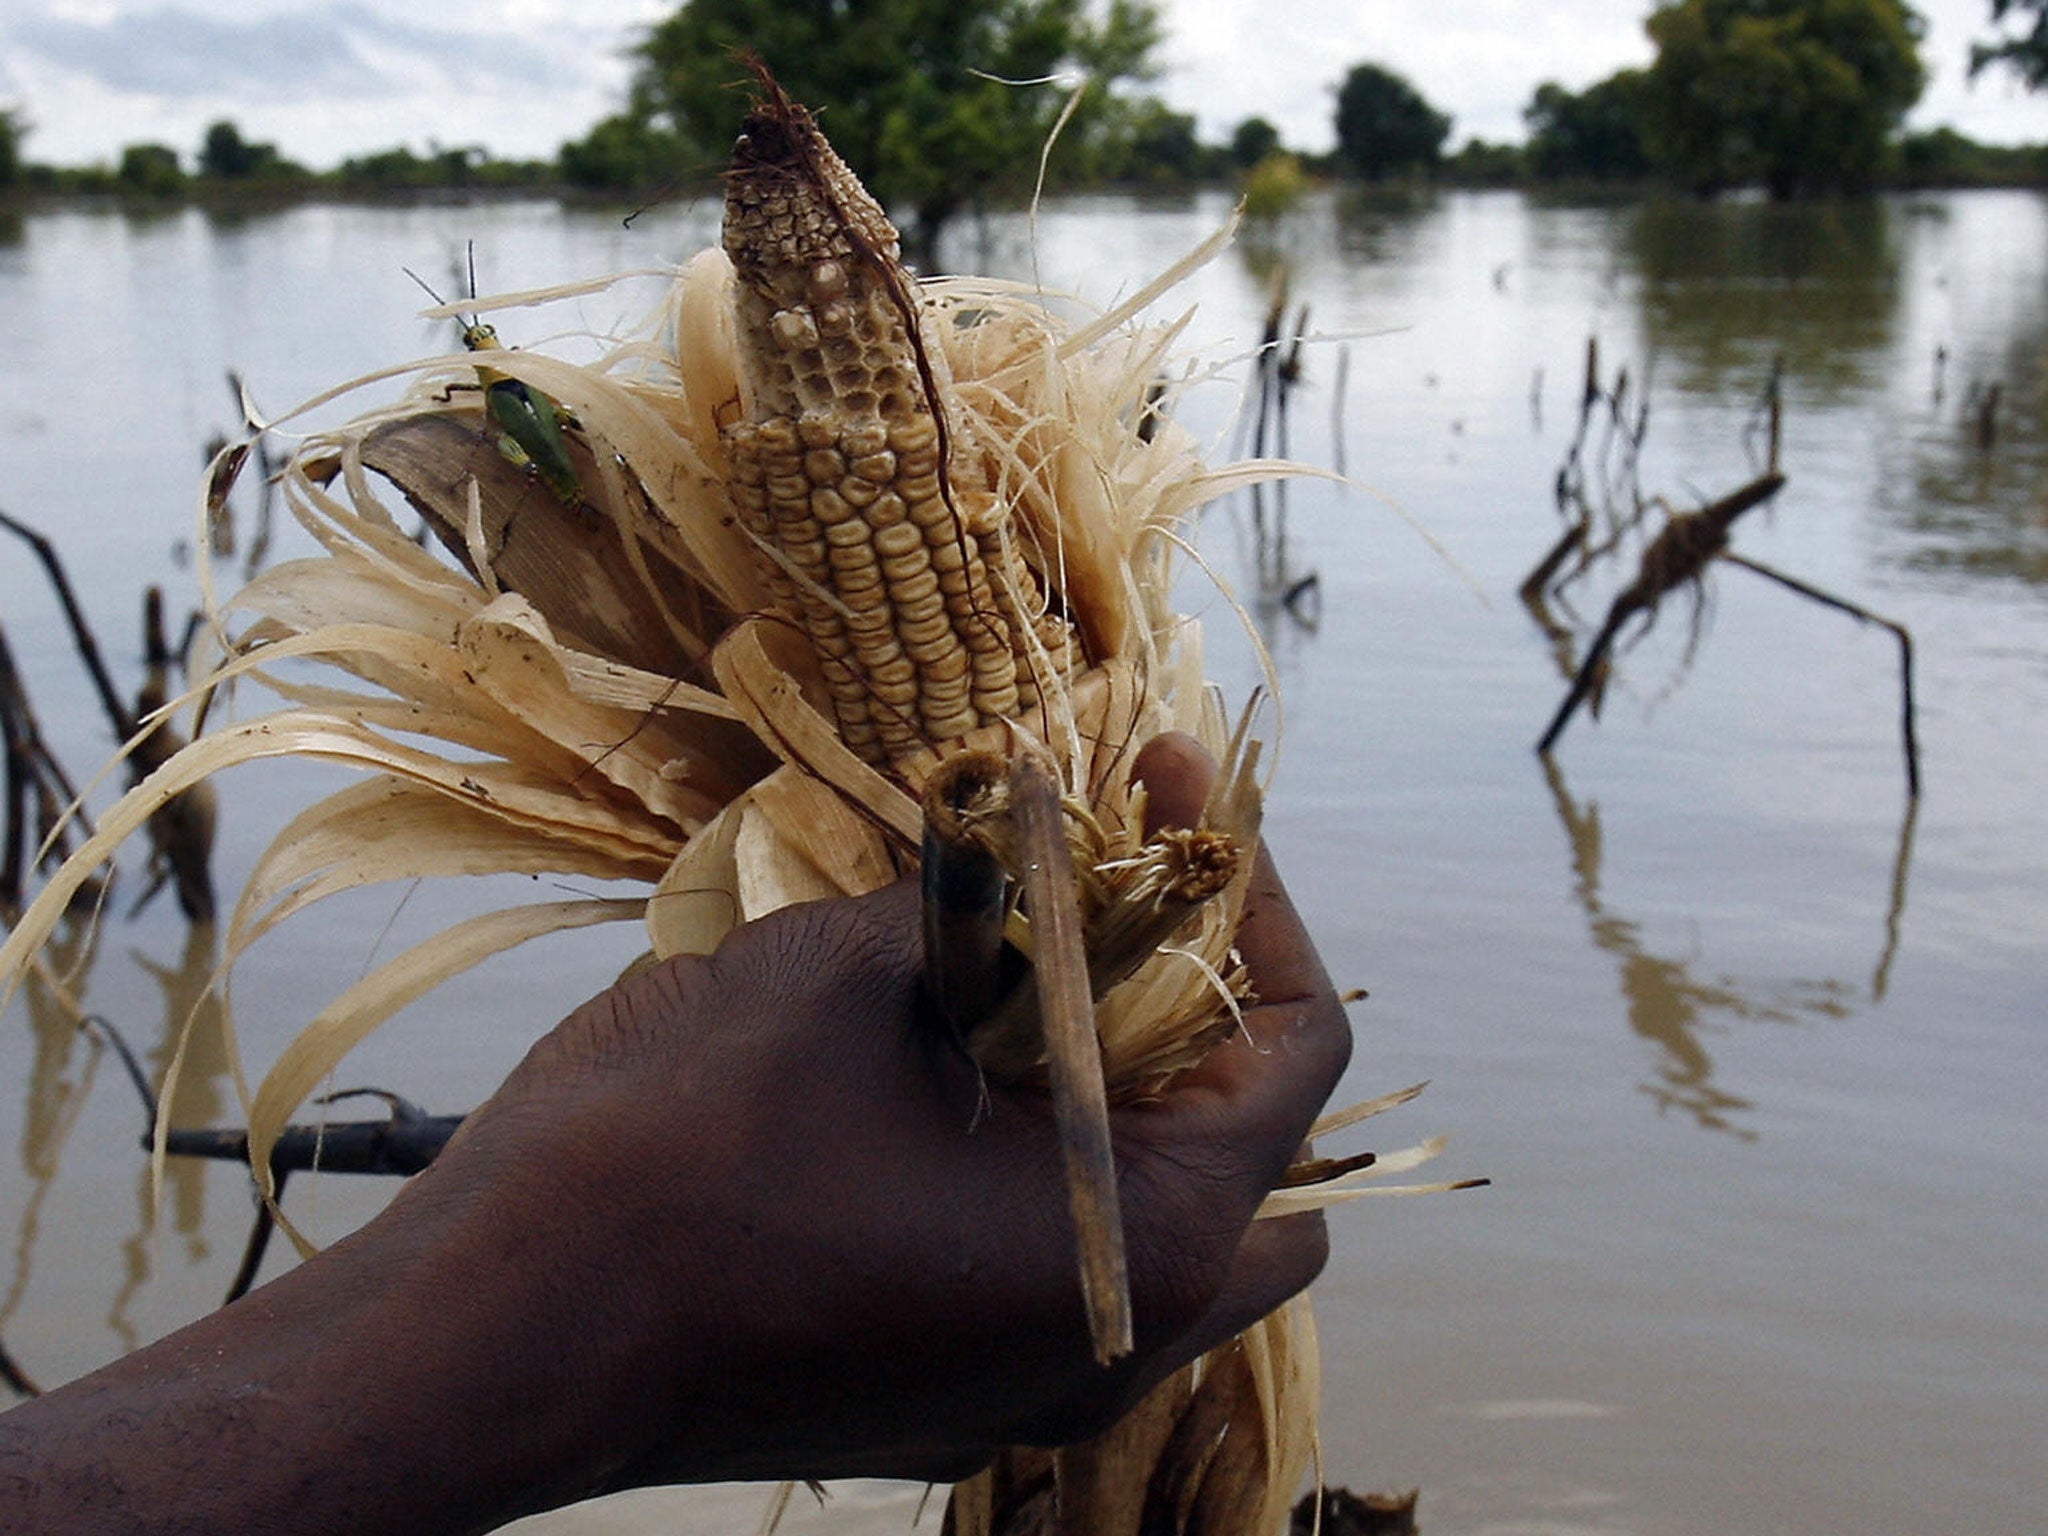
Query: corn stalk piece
[{"x": 1679, "y": 554}]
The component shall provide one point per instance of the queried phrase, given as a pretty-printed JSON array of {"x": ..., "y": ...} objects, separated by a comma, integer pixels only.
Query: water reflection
[
  {"x": 1895, "y": 906},
  {"x": 241, "y": 218},
  {"x": 193, "y": 1035},
  {"x": 1970, "y": 493},
  {"x": 1378, "y": 226},
  {"x": 1725, "y": 287},
  {"x": 1664, "y": 1002},
  {"x": 1671, "y": 1009},
  {"x": 192, "y": 1045},
  {"x": 65, "y": 1065},
  {"x": 1279, "y": 587},
  {"x": 1285, "y": 597},
  {"x": 65, "y": 1062}
]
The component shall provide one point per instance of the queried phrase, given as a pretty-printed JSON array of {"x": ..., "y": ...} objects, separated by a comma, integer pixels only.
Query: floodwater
[{"x": 1751, "y": 1049}]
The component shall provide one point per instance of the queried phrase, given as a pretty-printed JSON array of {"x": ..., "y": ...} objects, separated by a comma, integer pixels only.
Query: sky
[{"x": 323, "y": 79}]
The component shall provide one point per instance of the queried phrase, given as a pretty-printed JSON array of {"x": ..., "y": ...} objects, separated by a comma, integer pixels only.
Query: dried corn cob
[{"x": 926, "y": 619}]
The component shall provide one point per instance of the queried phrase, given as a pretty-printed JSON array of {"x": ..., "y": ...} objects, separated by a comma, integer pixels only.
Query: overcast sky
[{"x": 328, "y": 78}]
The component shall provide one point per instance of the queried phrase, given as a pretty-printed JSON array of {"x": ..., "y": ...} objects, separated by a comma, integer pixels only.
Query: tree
[
  {"x": 623, "y": 154},
  {"x": 1252, "y": 141},
  {"x": 913, "y": 93},
  {"x": 1942, "y": 157},
  {"x": 1800, "y": 95},
  {"x": 1482, "y": 163},
  {"x": 1140, "y": 140},
  {"x": 13, "y": 129},
  {"x": 2026, "y": 53},
  {"x": 151, "y": 169},
  {"x": 1595, "y": 135},
  {"x": 1384, "y": 127},
  {"x": 225, "y": 153},
  {"x": 1273, "y": 186},
  {"x": 226, "y": 156}
]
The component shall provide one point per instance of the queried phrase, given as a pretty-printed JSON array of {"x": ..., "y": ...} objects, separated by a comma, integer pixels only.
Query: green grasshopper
[{"x": 531, "y": 422}]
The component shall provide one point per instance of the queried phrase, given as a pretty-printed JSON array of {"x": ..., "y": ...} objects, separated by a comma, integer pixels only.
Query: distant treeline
[
  {"x": 1936, "y": 158},
  {"x": 1795, "y": 97},
  {"x": 1569, "y": 146},
  {"x": 229, "y": 165}
]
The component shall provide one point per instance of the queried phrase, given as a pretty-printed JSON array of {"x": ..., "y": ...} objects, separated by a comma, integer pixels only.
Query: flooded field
[{"x": 1749, "y": 1043}]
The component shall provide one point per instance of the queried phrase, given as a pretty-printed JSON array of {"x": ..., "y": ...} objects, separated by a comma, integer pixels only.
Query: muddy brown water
[{"x": 1752, "y": 1052}]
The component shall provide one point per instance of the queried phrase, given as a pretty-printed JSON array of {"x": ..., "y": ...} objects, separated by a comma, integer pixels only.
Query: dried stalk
[
  {"x": 1677, "y": 556},
  {"x": 1074, "y": 1055},
  {"x": 181, "y": 828},
  {"x": 1908, "y": 735},
  {"x": 400, "y": 1145},
  {"x": 118, "y": 715},
  {"x": 18, "y": 1381},
  {"x": 41, "y": 821},
  {"x": 1680, "y": 555},
  {"x": 966, "y": 899}
]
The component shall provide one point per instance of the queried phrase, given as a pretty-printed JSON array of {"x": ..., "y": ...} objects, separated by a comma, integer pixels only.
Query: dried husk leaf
[
  {"x": 696, "y": 902},
  {"x": 849, "y": 851},
  {"x": 1104, "y": 1482},
  {"x": 757, "y": 667}
]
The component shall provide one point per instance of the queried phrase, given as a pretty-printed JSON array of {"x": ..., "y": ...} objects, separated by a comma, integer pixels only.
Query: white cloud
[
  {"x": 1481, "y": 60},
  {"x": 327, "y": 79},
  {"x": 176, "y": 53},
  {"x": 1478, "y": 60},
  {"x": 320, "y": 80}
]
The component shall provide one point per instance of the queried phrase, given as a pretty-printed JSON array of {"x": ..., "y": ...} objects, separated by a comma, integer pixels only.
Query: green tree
[
  {"x": 911, "y": 92},
  {"x": 1142, "y": 141},
  {"x": 151, "y": 169},
  {"x": 226, "y": 156},
  {"x": 2025, "y": 52},
  {"x": 225, "y": 153},
  {"x": 1251, "y": 141},
  {"x": 1801, "y": 95},
  {"x": 385, "y": 170},
  {"x": 1942, "y": 157},
  {"x": 1384, "y": 127},
  {"x": 470, "y": 165},
  {"x": 1594, "y": 135},
  {"x": 1482, "y": 163},
  {"x": 1273, "y": 186},
  {"x": 624, "y": 154},
  {"x": 13, "y": 129}
]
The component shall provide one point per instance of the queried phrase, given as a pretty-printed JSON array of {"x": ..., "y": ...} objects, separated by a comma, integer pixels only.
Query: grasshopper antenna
[{"x": 426, "y": 287}]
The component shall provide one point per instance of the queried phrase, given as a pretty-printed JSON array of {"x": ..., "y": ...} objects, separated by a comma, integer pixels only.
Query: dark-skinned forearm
[{"x": 362, "y": 1392}]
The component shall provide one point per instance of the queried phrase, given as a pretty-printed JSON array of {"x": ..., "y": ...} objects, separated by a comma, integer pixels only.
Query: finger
[
  {"x": 1298, "y": 1019},
  {"x": 1274, "y": 943},
  {"x": 1177, "y": 772}
]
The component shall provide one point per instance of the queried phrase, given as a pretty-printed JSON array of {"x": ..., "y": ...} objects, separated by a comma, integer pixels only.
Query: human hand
[{"x": 802, "y": 1241}]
